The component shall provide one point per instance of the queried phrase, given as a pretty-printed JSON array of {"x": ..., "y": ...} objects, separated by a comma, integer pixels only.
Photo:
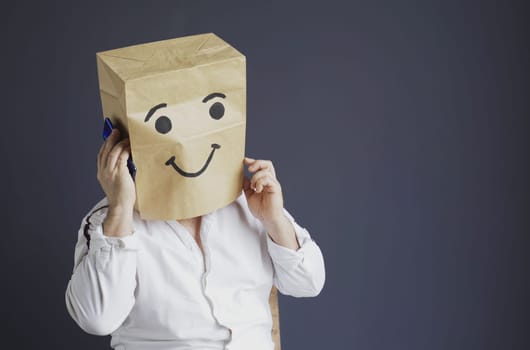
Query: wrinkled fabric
[{"x": 154, "y": 289}]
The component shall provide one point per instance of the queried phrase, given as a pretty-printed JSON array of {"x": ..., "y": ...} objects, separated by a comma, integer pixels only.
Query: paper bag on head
[{"x": 182, "y": 102}]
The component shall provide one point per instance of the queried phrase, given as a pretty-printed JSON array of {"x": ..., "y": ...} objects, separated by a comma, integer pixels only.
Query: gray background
[{"x": 398, "y": 130}]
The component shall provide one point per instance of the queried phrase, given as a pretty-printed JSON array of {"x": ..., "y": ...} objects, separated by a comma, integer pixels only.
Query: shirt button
[{"x": 121, "y": 243}]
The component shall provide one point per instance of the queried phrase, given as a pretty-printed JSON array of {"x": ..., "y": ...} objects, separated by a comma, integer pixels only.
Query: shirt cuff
[
  {"x": 98, "y": 240},
  {"x": 287, "y": 257}
]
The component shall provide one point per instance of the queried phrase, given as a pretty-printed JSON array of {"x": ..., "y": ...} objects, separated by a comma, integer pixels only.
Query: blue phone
[{"x": 107, "y": 129}]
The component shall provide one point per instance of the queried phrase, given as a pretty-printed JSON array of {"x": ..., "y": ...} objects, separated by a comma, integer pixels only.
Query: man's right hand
[{"x": 118, "y": 185}]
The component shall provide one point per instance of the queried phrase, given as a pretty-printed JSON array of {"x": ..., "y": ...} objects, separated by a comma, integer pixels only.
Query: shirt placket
[
  {"x": 190, "y": 244},
  {"x": 204, "y": 232}
]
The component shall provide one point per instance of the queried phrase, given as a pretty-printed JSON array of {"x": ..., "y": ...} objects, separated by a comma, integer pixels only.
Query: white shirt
[{"x": 149, "y": 290}]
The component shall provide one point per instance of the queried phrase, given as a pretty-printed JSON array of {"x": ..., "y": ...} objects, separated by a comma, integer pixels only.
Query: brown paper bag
[{"x": 182, "y": 103}]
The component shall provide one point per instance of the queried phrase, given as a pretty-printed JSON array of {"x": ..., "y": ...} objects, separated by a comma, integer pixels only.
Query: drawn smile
[{"x": 171, "y": 161}]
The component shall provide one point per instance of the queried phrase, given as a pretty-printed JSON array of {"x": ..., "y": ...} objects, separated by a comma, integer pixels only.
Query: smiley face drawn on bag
[{"x": 163, "y": 125}]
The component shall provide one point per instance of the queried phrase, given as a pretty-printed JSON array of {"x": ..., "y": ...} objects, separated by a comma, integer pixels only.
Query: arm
[
  {"x": 298, "y": 262},
  {"x": 100, "y": 293},
  {"x": 298, "y": 271}
]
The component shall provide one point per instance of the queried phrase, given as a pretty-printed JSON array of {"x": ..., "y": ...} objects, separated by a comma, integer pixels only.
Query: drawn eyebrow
[
  {"x": 153, "y": 110},
  {"x": 212, "y": 95}
]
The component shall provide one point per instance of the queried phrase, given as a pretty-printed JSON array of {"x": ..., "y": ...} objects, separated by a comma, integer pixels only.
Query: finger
[
  {"x": 108, "y": 145},
  {"x": 99, "y": 155},
  {"x": 102, "y": 149},
  {"x": 121, "y": 163},
  {"x": 260, "y": 174},
  {"x": 268, "y": 184},
  {"x": 263, "y": 182},
  {"x": 115, "y": 153},
  {"x": 248, "y": 160},
  {"x": 261, "y": 164}
]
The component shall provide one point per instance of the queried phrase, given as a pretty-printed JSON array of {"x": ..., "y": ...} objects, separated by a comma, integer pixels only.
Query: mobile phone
[{"x": 107, "y": 129}]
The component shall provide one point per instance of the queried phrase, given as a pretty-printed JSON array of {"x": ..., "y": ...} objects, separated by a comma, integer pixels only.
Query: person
[{"x": 197, "y": 283}]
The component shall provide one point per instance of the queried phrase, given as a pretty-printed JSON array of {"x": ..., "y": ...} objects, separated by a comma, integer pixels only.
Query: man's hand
[
  {"x": 117, "y": 183},
  {"x": 265, "y": 201}
]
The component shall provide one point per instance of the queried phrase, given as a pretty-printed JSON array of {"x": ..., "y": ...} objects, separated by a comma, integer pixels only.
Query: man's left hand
[{"x": 265, "y": 201}]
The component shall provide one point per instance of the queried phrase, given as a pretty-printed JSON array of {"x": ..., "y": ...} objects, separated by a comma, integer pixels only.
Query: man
[{"x": 148, "y": 271}]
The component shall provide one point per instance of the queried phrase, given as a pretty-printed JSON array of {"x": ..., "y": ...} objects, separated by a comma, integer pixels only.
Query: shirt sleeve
[
  {"x": 100, "y": 293},
  {"x": 299, "y": 273}
]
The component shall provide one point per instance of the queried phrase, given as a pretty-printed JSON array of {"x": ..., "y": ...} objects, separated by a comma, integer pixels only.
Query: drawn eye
[
  {"x": 217, "y": 110},
  {"x": 163, "y": 124}
]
